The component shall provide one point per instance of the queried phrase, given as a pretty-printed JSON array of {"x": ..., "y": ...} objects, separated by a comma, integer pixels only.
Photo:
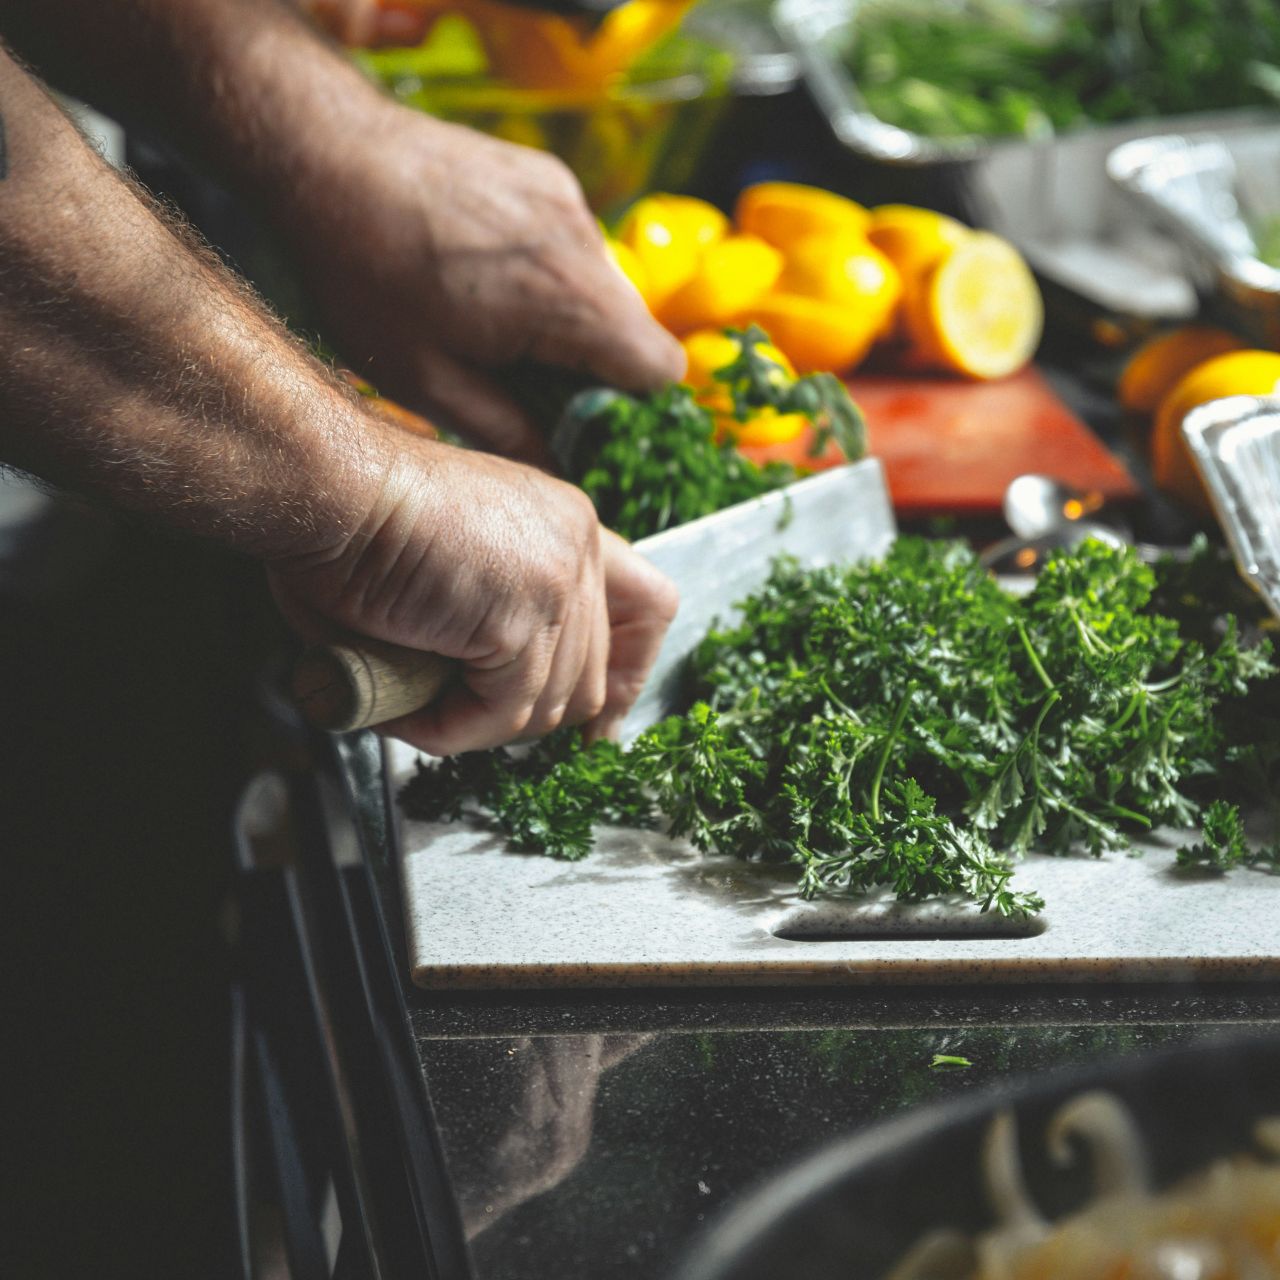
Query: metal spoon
[{"x": 1035, "y": 505}]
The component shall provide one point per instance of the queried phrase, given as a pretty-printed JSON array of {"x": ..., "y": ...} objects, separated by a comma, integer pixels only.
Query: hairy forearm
[
  {"x": 136, "y": 368},
  {"x": 246, "y": 85}
]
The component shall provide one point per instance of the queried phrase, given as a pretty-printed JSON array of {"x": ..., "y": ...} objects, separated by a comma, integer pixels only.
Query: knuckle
[
  {"x": 624, "y": 690},
  {"x": 433, "y": 744},
  {"x": 514, "y": 720},
  {"x": 594, "y": 699},
  {"x": 665, "y": 600},
  {"x": 580, "y": 513},
  {"x": 547, "y": 719},
  {"x": 500, "y": 640},
  {"x": 561, "y": 184},
  {"x": 559, "y": 576}
]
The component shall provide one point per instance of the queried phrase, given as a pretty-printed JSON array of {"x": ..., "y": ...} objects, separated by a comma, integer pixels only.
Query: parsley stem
[
  {"x": 894, "y": 730},
  {"x": 1119, "y": 811},
  {"x": 1055, "y": 696},
  {"x": 1129, "y": 710},
  {"x": 1034, "y": 658}
]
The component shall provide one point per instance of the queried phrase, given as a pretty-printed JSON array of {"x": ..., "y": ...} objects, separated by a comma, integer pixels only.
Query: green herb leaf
[{"x": 907, "y": 727}]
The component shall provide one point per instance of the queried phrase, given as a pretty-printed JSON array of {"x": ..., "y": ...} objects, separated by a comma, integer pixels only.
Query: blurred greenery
[
  {"x": 1267, "y": 237},
  {"x": 1009, "y": 67}
]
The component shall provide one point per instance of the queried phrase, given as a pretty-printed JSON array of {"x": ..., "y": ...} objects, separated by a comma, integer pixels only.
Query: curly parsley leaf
[
  {"x": 909, "y": 727},
  {"x": 651, "y": 463}
]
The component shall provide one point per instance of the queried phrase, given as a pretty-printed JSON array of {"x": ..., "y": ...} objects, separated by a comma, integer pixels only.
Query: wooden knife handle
[{"x": 351, "y": 686}]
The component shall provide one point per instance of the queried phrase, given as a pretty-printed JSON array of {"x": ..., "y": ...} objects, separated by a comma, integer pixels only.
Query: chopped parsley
[{"x": 908, "y": 725}]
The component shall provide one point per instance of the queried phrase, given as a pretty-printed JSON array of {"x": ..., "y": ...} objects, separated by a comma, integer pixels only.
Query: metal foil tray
[
  {"x": 1054, "y": 200},
  {"x": 815, "y": 31},
  {"x": 1214, "y": 194},
  {"x": 1051, "y": 197},
  {"x": 1236, "y": 444}
]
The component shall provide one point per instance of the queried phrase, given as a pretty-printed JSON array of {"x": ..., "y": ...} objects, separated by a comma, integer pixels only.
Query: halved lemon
[{"x": 979, "y": 311}]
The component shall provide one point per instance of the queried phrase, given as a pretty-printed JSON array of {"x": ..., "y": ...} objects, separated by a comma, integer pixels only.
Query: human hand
[
  {"x": 369, "y": 23},
  {"x": 437, "y": 256},
  {"x": 553, "y": 619}
]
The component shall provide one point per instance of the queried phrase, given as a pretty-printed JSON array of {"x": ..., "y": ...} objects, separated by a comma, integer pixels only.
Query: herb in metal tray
[
  {"x": 910, "y": 725},
  {"x": 993, "y": 67}
]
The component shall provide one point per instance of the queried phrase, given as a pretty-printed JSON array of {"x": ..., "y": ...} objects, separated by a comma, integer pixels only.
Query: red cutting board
[{"x": 953, "y": 446}]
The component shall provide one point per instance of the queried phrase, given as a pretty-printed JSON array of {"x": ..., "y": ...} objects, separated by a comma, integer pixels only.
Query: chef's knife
[{"x": 715, "y": 562}]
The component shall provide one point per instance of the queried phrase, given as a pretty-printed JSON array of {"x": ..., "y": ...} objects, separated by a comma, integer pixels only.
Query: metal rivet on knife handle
[{"x": 342, "y": 687}]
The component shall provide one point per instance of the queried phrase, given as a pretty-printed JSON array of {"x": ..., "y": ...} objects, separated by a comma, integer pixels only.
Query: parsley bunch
[
  {"x": 652, "y": 463},
  {"x": 910, "y": 725}
]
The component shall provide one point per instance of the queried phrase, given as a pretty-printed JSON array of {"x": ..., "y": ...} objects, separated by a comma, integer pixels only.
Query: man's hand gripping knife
[{"x": 137, "y": 369}]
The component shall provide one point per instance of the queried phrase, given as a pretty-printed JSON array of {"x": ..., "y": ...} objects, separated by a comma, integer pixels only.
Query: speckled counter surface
[
  {"x": 645, "y": 910},
  {"x": 590, "y": 1132}
]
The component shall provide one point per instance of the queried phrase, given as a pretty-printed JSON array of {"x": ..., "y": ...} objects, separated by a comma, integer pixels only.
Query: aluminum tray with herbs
[{"x": 921, "y": 81}]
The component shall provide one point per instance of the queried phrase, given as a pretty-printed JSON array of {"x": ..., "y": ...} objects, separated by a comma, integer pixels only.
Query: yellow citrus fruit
[
  {"x": 785, "y": 212},
  {"x": 766, "y": 426},
  {"x": 669, "y": 235},
  {"x": 978, "y": 312},
  {"x": 843, "y": 269},
  {"x": 1160, "y": 362},
  {"x": 709, "y": 350},
  {"x": 816, "y": 336},
  {"x": 729, "y": 276},
  {"x": 628, "y": 262},
  {"x": 915, "y": 240},
  {"x": 1249, "y": 373}
]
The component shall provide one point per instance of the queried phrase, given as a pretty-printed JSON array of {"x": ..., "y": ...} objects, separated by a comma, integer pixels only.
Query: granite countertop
[{"x": 590, "y": 1134}]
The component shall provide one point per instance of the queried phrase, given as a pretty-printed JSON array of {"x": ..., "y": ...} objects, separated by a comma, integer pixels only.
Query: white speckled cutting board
[{"x": 646, "y": 910}]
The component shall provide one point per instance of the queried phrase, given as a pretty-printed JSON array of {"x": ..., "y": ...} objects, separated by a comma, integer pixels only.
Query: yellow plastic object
[
  {"x": 533, "y": 49},
  {"x": 979, "y": 312},
  {"x": 1157, "y": 366},
  {"x": 1249, "y": 373},
  {"x": 669, "y": 234},
  {"x": 785, "y": 212},
  {"x": 845, "y": 269},
  {"x": 729, "y": 277},
  {"x": 816, "y": 336}
]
